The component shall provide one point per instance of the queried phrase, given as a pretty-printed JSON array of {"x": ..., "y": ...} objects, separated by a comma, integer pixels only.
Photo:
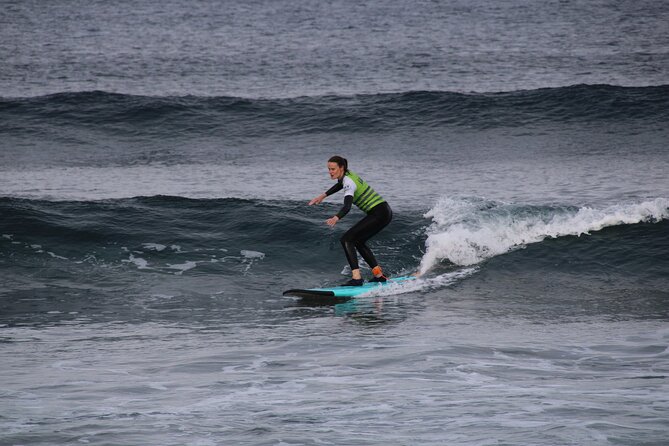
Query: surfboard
[{"x": 344, "y": 292}]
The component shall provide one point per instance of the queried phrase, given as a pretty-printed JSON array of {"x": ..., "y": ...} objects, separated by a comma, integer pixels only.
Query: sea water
[{"x": 156, "y": 161}]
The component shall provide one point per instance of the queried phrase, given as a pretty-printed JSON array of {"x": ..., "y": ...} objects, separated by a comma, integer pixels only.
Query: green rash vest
[{"x": 364, "y": 196}]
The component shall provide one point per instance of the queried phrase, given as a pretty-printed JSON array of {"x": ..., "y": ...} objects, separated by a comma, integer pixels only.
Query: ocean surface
[{"x": 156, "y": 161}]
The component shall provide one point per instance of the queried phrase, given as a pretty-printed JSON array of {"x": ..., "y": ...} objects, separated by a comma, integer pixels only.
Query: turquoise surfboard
[{"x": 344, "y": 292}]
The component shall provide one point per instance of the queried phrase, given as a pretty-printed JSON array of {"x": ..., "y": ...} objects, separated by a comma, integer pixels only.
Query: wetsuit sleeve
[
  {"x": 334, "y": 189},
  {"x": 348, "y": 201}
]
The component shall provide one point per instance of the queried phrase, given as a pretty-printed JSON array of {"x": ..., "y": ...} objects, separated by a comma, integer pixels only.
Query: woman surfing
[{"x": 378, "y": 216}]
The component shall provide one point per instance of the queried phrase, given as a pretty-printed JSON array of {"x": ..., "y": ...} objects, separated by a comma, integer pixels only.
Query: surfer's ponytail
[{"x": 341, "y": 162}]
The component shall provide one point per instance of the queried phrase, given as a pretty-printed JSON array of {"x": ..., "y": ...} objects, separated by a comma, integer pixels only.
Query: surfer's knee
[
  {"x": 347, "y": 238},
  {"x": 360, "y": 244}
]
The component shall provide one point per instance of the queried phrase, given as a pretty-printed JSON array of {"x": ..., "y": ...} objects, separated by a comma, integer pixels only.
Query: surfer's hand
[
  {"x": 317, "y": 200},
  {"x": 332, "y": 221}
]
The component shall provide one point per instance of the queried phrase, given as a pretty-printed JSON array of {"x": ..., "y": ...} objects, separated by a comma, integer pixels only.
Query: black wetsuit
[{"x": 356, "y": 238}]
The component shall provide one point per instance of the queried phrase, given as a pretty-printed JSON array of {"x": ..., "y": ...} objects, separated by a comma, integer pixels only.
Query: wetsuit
[{"x": 379, "y": 214}]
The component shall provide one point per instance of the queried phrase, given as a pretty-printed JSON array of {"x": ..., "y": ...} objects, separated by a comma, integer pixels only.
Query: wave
[
  {"x": 468, "y": 232},
  {"x": 240, "y": 117},
  {"x": 172, "y": 235}
]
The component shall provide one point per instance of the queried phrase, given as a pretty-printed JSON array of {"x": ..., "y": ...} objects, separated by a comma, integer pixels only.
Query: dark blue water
[{"x": 156, "y": 161}]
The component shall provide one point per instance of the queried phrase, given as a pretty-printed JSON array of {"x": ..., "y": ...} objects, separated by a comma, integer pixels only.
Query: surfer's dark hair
[{"x": 341, "y": 162}]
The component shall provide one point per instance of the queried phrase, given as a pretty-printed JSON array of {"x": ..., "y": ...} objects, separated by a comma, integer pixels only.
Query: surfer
[{"x": 379, "y": 215}]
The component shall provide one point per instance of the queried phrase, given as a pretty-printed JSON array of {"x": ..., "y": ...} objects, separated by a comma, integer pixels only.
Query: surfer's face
[{"x": 335, "y": 171}]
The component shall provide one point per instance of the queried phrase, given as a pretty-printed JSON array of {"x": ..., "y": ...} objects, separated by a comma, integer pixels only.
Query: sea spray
[{"x": 467, "y": 232}]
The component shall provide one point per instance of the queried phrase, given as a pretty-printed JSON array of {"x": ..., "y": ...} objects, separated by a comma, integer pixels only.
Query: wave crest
[{"x": 467, "y": 232}]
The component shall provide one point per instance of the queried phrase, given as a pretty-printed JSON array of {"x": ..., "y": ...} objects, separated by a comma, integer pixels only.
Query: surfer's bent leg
[{"x": 356, "y": 237}]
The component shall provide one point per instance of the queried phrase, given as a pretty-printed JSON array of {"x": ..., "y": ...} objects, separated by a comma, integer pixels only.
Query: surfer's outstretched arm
[
  {"x": 318, "y": 199},
  {"x": 334, "y": 189}
]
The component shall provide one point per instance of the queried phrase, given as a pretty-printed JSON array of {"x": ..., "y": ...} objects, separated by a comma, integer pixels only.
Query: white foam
[
  {"x": 182, "y": 267},
  {"x": 252, "y": 254},
  {"x": 249, "y": 257},
  {"x": 154, "y": 246},
  {"x": 467, "y": 232},
  {"x": 422, "y": 284},
  {"x": 138, "y": 261},
  {"x": 56, "y": 256}
]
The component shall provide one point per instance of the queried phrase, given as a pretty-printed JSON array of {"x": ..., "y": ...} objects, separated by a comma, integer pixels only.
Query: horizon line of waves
[
  {"x": 243, "y": 117},
  {"x": 467, "y": 232},
  {"x": 94, "y": 96}
]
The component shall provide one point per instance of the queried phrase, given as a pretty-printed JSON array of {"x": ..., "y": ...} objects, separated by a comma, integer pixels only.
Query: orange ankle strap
[{"x": 377, "y": 270}]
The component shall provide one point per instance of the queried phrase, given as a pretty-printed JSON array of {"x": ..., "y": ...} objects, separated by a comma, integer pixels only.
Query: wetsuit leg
[{"x": 356, "y": 237}]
